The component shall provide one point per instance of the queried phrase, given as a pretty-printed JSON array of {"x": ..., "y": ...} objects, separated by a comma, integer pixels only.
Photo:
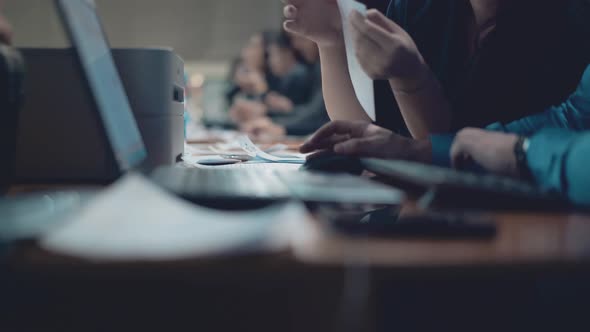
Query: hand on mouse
[{"x": 364, "y": 139}]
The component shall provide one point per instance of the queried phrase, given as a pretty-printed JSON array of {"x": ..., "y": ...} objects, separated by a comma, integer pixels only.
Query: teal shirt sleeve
[
  {"x": 558, "y": 160},
  {"x": 573, "y": 114}
]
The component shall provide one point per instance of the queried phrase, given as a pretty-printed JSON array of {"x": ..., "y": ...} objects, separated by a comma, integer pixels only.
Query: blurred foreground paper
[
  {"x": 135, "y": 220},
  {"x": 362, "y": 83}
]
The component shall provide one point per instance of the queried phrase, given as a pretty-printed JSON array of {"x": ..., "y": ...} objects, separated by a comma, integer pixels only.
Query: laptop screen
[{"x": 85, "y": 30}]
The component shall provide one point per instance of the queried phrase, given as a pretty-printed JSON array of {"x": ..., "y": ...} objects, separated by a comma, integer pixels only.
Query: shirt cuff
[
  {"x": 547, "y": 154},
  {"x": 441, "y": 149}
]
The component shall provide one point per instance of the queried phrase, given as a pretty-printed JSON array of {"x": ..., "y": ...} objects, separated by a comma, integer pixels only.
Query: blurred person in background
[
  {"x": 5, "y": 28},
  {"x": 304, "y": 118},
  {"x": 292, "y": 76},
  {"x": 290, "y": 86},
  {"x": 250, "y": 75}
]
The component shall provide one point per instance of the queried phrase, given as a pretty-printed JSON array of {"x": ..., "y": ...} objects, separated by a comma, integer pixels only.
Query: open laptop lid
[{"x": 85, "y": 30}]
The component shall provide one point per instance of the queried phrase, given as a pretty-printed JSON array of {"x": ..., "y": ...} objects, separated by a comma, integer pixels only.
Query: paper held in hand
[{"x": 362, "y": 83}]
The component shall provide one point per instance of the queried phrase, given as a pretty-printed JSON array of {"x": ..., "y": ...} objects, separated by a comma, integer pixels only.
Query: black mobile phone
[{"x": 388, "y": 223}]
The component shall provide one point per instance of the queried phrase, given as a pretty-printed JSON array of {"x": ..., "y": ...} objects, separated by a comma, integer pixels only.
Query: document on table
[
  {"x": 134, "y": 220},
  {"x": 362, "y": 83},
  {"x": 255, "y": 152}
]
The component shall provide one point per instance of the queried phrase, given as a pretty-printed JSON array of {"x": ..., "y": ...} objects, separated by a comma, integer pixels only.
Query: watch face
[{"x": 526, "y": 144}]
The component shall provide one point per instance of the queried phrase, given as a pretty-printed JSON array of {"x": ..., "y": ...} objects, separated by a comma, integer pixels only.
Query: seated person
[
  {"x": 5, "y": 30},
  {"x": 449, "y": 64},
  {"x": 555, "y": 158},
  {"x": 554, "y": 155},
  {"x": 250, "y": 77},
  {"x": 304, "y": 118},
  {"x": 292, "y": 86}
]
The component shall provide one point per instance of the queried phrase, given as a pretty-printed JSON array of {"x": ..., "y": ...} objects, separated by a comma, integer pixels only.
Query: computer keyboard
[
  {"x": 449, "y": 187},
  {"x": 250, "y": 185},
  {"x": 222, "y": 185},
  {"x": 341, "y": 188}
]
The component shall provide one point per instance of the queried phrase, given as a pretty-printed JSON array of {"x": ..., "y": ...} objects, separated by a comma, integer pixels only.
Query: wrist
[
  {"x": 414, "y": 83},
  {"x": 334, "y": 46},
  {"x": 521, "y": 167},
  {"x": 418, "y": 151}
]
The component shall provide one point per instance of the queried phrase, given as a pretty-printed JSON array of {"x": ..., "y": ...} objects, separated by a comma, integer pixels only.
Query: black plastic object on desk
[
  {"x": 386, "y": 223},
  {"x": 329, "y": 162}
]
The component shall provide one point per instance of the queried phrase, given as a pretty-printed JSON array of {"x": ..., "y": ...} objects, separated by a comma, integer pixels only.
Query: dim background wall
[{"x": 199, "y": 30}]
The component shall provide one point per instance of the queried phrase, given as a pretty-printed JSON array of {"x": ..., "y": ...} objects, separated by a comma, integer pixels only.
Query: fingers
[
  {"x": 290, "y": 12},
  {"x": 458, "y": 153},
  {"x": 321, "y": 138},
  {"x": 461, "y": 149},
  {"x": 369, "y": 30},
  {"x": 376, "y": 17},
  {"x": 293, "y": 27},
  {"x": 327, "y": 144},
  {"x": 350, "y": 147}
]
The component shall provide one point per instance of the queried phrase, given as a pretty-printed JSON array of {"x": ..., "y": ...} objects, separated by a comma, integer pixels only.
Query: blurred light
[{"x": 197, "y": 81}]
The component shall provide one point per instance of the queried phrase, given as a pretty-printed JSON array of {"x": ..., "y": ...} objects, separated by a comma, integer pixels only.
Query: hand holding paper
[
  {"x": 386, "y": 51},
  {"x": 362, "y": 83}
]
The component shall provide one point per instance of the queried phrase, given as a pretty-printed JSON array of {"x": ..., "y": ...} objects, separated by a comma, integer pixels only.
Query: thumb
[
  {"x": 459, "y": 153},
  {"x": 295, "y": 27},
  {"x": 383, "y": 21}
]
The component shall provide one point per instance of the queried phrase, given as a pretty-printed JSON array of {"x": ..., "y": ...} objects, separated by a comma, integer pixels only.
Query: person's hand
[
  {"x": 386, "y": 51},
  {"x": 317, "y": 20},
  {"x": 251, "y": 81},
  {"x": 278, "y": 102},
  {"x": 264, "y": 130},
  {"x": 365, "y": 139},
  {"x": 491, "y": 150},
  {"x": 5, "y": 31},
  {"x": 246, "y": 110}
]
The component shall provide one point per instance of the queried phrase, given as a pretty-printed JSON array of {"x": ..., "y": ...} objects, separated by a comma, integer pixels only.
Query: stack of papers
[{"x": 136, "y": 221}]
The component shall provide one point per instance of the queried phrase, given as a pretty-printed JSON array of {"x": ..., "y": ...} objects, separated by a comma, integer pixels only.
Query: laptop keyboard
[
  {"x": 243, "y": 182},
  {"x": 468, "y": 189},
  {"x": 271, "y": 182}
]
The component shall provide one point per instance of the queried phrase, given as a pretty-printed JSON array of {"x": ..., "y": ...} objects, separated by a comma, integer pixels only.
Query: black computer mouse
[{"x": 326, "y": 162}]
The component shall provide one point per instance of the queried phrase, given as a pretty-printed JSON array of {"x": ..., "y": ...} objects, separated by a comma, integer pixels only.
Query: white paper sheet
[
  {"x": 135, "y": 220},
  {"x": 254, "y": 151},
  {"x": 362, "y": 83}
]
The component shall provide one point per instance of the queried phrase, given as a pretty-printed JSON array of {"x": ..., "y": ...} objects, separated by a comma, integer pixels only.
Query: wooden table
[{"x": 534, "y": 273}]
